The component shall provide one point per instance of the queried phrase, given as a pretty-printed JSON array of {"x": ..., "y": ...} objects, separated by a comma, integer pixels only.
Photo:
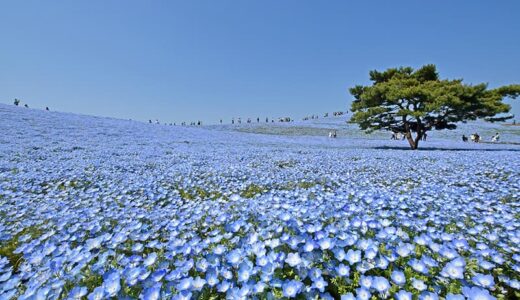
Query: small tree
[
  {"x": 415, "y": 101},
  {"x": 16, "y": 102}
]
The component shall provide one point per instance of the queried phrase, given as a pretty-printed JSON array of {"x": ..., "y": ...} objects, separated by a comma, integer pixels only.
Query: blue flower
[
  {"x": 112, "y": 284},
  {"x": 234, "y": 257},
  {"x": 150, "y": 259},
  {"x": 185, "y": 284},
  {"x": 293, "y": 259},
  {"x": 485, "y": 281},
  {"x": 418, "y": 284},
  {"x": 152, "y": 293},
  {"x": 97, "y": 294},
  {"x": 380, "y": 284},
  {"x": 353, "y": 256},
  {"x": 398, "y": 277},
  {"x": 342, "y": 270},
  {"x": 428, "y": 296},
  {"x": 403, "y": 295},
  {"x": 363, "y": 293},
  {"x": 212, "y": 277},
  {"x": 475, "y": 293},
  {"x": 319, "y": 284},
  {"x": 453, "y": 271},
  {"x": 78, "y": 292},
  {"x": 291, "y": 288}
]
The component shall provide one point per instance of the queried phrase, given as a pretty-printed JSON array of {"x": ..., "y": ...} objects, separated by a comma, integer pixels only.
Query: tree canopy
[{"x": 415, "y": 101}]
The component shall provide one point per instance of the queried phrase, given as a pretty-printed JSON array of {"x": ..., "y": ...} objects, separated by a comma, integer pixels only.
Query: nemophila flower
[
  {"x": 152, "y": 293},
  {"x": 43, "y": 292},
  {"x": 150, "y": 259},
  {"x": 428, "y": 296},
  {"x": 234, "y": 257},
  {"x": 380, "y": 284},
  {"x": 342, "y": 270},
  {"x": 262, "y": 260},
  {"x": 453, "y": 270},
  {"x": 9, "y": 294},
  {"x": 293, "y": 259},
  {"x": 309, "y": 246},
  {"x": 138, "y": 247},
  {"x": 259, "y": 287},
  {"x": 365, "y": 281},
  {"x": 223, "y": 286},
  {"x": 515, "y": 284},
  {"x": 419, "y": 284},
  {"x": 418, "y": 265},
  {"x": 460, "y": 244},
  {"x": 132, "y": 275},
  {"x": 429, "y": 261},
  {"x": 183, "y": 295},
  {"x": 244, "y": 271},
  {"x": 78, "y": 292},
  {"x": 348, "y": 296},
  {"x": 370, "y": 253},
  {"x": 497, "y": 258},
  {"x": 36, "y": 258},
  {"x": 5, "y": 276},
  {"x": 184, "y": 284},
  {"x": 448, "y": 253},
  {"x": 435, "y": 247},
  {"x": 144, "y": 274},
  {"x": 158, "y": 275},
  {"x": 363, "y": 293},
  {"x": 202, "y": 265},
  {"x": 485, "y": 281},
  {"x": 486, "y": 265},
  {"x": 291, "y": 288},
  {"x": 315, "y": 274},
  {"x": 339, "y": 253},
  {"x": 353, "y": 256},
  {"x": 475, "y": 293},
  {"x": 403, "y": 295},
  {"x": 398, "y": 277},
  {"x": 319, "y": 284},
  {"x": 325, "y": 243},
  {"x": 112, "y": 284},
  {"x": 212, "y": 277},
  {"x": 219, "y": 249},
  {"x": 97, "y": 294},
  {"x": 198, "y": 283}
]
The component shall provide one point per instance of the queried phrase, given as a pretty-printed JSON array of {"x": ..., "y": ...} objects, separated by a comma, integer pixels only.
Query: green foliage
[
  {"x": 8, "y": 247},
  {"x": 252, "y": 190},
  {"x": 415, "y": 101}
]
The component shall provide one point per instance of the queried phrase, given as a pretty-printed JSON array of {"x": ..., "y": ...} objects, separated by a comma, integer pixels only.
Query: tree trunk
[{"x": 414, "y": 143}]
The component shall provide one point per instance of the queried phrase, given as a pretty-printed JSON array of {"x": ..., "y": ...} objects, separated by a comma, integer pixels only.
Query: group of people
[
  {"x": 402, "y": 136},
  {"x": 17, "y": 103},
  {"x": 248, "y": 121},
  {"x": 333, "y": 134},
  {"x": 476, "y": 138},
  {"x": 326, "y": 115}
]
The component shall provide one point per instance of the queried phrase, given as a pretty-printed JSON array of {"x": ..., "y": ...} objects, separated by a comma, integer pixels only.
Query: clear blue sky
[{"x": 191, "y": 60}]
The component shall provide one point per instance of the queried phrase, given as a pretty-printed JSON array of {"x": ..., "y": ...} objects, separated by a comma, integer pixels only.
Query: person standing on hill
[{"x": 495, "y": 138}]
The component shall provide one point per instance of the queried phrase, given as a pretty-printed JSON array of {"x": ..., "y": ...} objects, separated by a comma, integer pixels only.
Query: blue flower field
[{"x": 99, "y": 208}]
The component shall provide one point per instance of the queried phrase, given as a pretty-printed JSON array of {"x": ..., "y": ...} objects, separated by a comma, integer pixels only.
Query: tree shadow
[{"x": 443, "y": 149}]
